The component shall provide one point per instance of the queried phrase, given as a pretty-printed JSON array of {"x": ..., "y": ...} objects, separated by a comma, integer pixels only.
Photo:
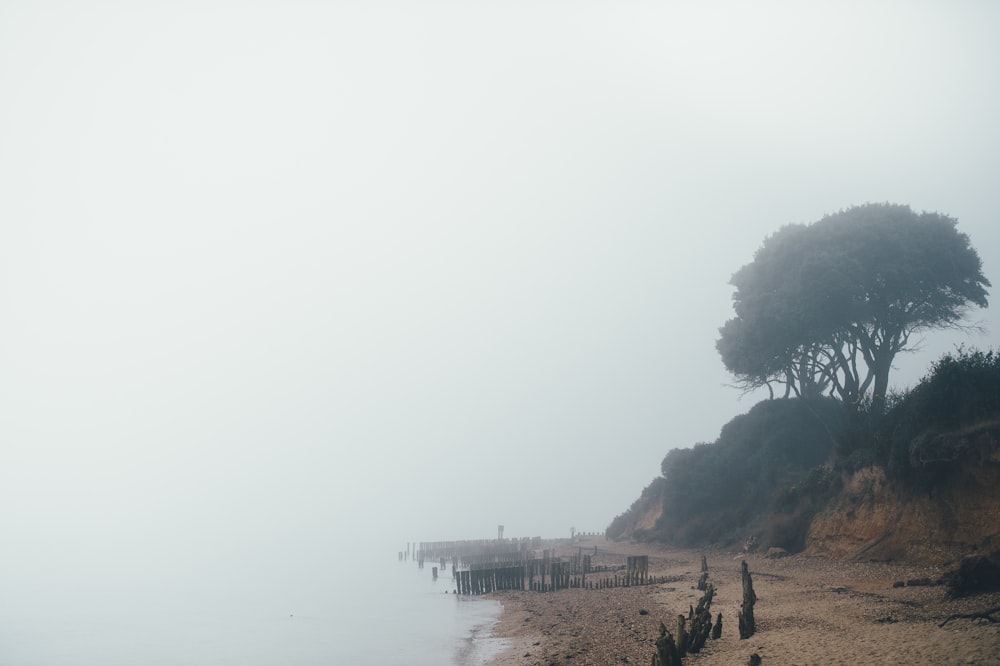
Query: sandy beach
[{"x": 810, "y": 610}]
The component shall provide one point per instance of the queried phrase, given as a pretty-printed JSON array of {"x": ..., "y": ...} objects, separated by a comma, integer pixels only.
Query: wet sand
[{"x": 810, "y": 610}]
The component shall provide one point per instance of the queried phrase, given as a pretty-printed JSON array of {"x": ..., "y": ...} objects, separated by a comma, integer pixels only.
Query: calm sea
[{"x": 335, "y": 615}]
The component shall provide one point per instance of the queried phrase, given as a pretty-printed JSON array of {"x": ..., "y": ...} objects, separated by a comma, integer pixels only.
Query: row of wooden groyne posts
[{"x": 483, "y": 566}]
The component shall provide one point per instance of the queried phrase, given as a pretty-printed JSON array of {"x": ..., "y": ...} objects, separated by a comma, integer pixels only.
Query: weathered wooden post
[
  {"x": 701, "y": 622},
  {"x": 666, "y": 650},
  {"x": 717, "y": 629},
  {"x": 636, "y": 569},
  {"x": 747, "y": 623}
]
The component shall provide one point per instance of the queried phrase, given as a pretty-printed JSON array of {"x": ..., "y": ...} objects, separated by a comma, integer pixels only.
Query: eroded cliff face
[
  {"x": 641, "y": 518},
  {"x": 872, "y": 519},
  {"x": 649, "y": 515}
]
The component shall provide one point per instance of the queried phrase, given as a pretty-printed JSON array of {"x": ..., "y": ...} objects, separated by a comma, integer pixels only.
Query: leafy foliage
[
  {"x": 715, "y": 492},
  {"x": 826, "y": 307},
  {"x": 772, "y": 469},
  {"x": 953, "y": 413},
  {"x": 796, "y": 504}
]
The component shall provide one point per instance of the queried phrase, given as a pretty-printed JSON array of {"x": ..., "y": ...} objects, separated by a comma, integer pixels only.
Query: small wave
[{"x": 481, "y": 647}]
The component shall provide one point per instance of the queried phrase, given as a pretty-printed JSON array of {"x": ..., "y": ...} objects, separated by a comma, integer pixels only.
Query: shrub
[
  {"x": 936, "y": 424},
  {"x": 714, "y": 492}
]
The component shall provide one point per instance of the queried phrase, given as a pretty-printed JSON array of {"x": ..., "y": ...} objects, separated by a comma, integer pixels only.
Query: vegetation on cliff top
[
  {"x": 715, "y": 492},
  {"x": 774, "y": 467},
  {"x": 823, "y": 310},
  {"x": 951, "y": 416}
]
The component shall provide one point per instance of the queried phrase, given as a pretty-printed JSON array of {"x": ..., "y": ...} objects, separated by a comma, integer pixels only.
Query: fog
[{"x": 280, "y": 277}]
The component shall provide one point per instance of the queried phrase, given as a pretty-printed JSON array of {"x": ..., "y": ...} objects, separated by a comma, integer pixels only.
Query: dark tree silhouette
[{"x": 826, "y": 307}]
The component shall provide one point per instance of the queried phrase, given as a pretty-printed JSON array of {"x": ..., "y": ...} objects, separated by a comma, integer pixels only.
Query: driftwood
[
  {"x": 981, "y": 615},
  {"x": 747, "y": 623}
]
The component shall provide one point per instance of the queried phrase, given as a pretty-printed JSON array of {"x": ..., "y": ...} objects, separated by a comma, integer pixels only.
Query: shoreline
[
  {"x": 810, "y": 610},
  {"x": 481, "y": 645}
]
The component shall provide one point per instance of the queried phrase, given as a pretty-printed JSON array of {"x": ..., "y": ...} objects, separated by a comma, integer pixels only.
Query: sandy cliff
[{"x": 875, "y": 520}]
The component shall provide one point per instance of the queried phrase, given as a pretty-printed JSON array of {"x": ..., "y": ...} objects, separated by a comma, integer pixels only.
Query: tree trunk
[{"x": 883, "y": 364}]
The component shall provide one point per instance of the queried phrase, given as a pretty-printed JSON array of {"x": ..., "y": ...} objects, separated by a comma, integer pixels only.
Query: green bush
[
  {"x": 924, "y": 434},
  {"x": 770, "y": 470},
  {"x": 715, "y": 493}
]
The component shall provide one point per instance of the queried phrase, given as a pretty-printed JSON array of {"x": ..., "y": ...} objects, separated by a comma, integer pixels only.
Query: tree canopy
[{"x": 826, "y": 307}]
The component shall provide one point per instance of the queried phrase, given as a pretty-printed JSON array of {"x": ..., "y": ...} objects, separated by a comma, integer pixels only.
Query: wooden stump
[
  {"x": 701, "y": 622},
  {"x": 666, "y": 650},
  {"x": 747, "y": 623},
  {"x": 682, "y": 637},
  {"x": 717, "y": 629}
]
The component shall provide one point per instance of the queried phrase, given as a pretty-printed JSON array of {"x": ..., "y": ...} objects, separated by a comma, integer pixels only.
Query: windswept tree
[{"x": 825, "y": 308}]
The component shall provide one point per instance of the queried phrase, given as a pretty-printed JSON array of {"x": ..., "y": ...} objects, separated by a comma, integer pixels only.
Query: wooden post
[
  {"x": 666, "y": 649},
  {"x": 681, "y": 637},
  {"x": 747, "y": 623},
  {"x": 717, "y": 629},
  {"x": 701, "y": 622}
]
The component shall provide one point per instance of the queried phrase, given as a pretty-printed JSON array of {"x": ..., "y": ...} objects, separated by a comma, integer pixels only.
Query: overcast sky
[{"x": 273, "y": 274}]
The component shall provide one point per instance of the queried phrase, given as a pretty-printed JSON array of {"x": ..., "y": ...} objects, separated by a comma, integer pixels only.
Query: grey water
[{"x": 341, "y": 614}]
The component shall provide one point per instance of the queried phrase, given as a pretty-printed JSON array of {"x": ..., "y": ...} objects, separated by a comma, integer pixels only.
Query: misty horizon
[{"x": 283, "y": 277}]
